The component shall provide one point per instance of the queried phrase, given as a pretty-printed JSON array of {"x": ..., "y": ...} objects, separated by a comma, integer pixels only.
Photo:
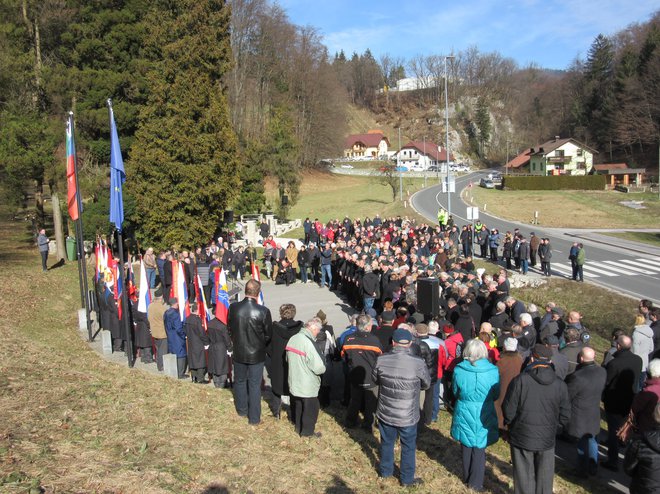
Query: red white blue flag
[
  {"x": 144, "y": 298},
  {"x": 256, "y": 276}
]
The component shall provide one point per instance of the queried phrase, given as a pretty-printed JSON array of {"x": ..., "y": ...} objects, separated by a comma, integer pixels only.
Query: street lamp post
[
  {"x": 399, "y": 168},
  {"x": 425, "y": 161},
  {"x": 447, "y": 136}
]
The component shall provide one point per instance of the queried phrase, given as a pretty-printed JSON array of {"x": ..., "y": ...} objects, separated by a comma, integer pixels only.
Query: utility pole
[
  {"x": 447, "y": 135},
  {"x": 425, "y": 161},
  {"x": 506, "y": 166},
  {"x": 399, "y": 169}
]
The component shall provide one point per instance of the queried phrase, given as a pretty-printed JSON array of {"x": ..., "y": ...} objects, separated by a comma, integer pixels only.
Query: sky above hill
[{"x": 550, "y": 33}]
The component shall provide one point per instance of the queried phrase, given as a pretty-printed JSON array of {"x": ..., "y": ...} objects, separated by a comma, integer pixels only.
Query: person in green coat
[
  {"x": 476, "y": 386},
  {"x": 579, "y": 263},
  {"x": 305, "y": 369}
]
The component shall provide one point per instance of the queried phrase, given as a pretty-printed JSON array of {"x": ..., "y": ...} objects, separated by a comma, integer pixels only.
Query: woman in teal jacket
[{"x": 476, "y": 386}]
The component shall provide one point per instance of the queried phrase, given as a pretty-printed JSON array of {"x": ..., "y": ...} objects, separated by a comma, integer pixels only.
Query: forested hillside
[{"x": 212, "y": 97}]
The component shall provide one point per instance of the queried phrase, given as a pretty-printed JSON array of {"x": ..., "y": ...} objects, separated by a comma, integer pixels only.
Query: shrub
[{"x": 560, "y": 182}]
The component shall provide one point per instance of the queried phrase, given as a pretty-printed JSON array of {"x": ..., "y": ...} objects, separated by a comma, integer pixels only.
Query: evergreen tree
[
  {"x": 184, "y": 169},
  {"x": 283, "y": 149}
]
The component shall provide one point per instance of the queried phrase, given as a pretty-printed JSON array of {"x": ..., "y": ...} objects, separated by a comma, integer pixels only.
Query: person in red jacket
[{"x": 454, "y": 348}]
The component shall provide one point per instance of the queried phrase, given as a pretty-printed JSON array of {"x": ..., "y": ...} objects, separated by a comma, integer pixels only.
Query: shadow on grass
[
  {"x": 338, "y": 487},
  {"x": 374, "y": 201},
  {"x": 447, "y": 452},
  {"x": 58, "y": 264},
  {"x": 363, "y": 438},
  {"x": 215, "y": 489}
]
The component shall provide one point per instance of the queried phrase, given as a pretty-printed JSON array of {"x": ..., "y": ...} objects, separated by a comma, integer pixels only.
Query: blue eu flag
[{"x": 117, "y": 175}]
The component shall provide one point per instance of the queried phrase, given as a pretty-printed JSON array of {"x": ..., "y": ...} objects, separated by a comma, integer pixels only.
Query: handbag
[{"x": 627, "y": 429}]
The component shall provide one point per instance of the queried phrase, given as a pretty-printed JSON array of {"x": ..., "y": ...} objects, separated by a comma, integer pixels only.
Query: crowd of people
[{"x": 503, "y": 369}]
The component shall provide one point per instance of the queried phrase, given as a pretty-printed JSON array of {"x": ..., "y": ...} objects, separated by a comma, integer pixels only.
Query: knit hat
[
  {"x": 321, "y": 315},
  {"x": 401, "y": 336},
  {"x": 541, "y": 352}
]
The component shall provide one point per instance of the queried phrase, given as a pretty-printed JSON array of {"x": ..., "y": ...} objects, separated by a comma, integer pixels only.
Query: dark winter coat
[
  {"x": 220, "y": 343},
  {"x": 361, "y": 350},
  {"x": 466, "y": 326},
  {"x": 278, "y": 369},
  {"x": 114, "y": 324},
  {"x": 250, "y": 327},
  {"x": 642, "y": 463},
  {"x": 401, "y": 377},
  {"x": 197, "y": 340},
  {"x": 535, "y": 406},
  {"x": 585, "y": 387},
  {"x": 142, "y": 329},
  {"x": 622, "y": 378}
]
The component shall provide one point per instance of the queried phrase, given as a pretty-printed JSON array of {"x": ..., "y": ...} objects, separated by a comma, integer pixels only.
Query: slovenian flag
[
  {"x": 221, "y": 296},
  {"x": 182, "y": 294},
  {"x": 256, "y": 276},
  {"x": 71, "y": 179},
  {"x": 145, "y": 294}
]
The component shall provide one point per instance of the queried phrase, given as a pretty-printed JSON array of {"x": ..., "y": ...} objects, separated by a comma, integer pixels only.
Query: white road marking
[
  {"x": 631, "y": 268},
  {"x": 638, "y": 265},
  {"x": 590, "y": 266}
]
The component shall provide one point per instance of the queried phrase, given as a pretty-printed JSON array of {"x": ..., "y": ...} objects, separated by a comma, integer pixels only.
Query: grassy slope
[
  {"x": 72, "y": 422},
  {"x": 570, "y": 209},
  {"x": 644, "y": 237}
]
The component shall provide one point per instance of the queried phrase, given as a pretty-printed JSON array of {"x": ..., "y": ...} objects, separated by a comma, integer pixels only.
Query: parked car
[
  {"x": 401, "y": 169},
  {"x": 486, "y": 183},
  {"x": 496, "y": 178},
  {"x": 416, "y": 168},
  {"x": 433, "y": 168}
]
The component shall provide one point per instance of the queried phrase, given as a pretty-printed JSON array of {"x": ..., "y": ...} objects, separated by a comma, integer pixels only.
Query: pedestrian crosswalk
[{"x": 603, "y": 269}]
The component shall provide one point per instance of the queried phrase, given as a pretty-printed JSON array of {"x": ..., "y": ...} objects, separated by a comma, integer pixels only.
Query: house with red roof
[
  {"x": 370, "y": 145},
  {"x": 555, "y": 157},
  {"x": 422, "y": 154}
]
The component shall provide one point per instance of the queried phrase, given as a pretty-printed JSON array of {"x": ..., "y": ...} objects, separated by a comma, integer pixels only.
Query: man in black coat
[
  {"x": 278, "y": 369},
  {"x": 143, "y": 340},
  {"x": 197, "y": 340},
  {"x": 585, "y": 387},
  {"x": 535, "y": 406},
  {"x": 623, "y": 372},
  {"x": 250, "y": 327},
  {"x": 220, "y": 344}
]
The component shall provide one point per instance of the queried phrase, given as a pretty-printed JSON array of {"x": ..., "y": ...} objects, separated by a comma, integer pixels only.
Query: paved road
[{"x": 632, "y": 268}]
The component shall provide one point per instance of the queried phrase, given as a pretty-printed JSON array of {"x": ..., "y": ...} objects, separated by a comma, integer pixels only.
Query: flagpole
[
  {"x": 80, "y": 246},
  {"x": 120, "y": 247}
]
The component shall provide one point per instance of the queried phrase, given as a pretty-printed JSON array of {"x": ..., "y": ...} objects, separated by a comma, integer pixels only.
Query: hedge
[{"x": 556, "y": 182}]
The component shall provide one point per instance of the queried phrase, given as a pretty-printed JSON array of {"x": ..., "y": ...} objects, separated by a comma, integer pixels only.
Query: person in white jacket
[{"x": 642, "y": 344}]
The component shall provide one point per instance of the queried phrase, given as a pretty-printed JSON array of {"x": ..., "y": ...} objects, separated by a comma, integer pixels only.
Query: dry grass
[
  {"x": 644, "y": 237},
  {"x": 327, "y": 196},
  {"x": 569, "y": 209},
  {"x": 71, "y": 421}
]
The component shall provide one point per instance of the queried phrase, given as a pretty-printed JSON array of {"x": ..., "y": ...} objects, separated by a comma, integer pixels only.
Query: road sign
[
  {"x": 472, "y": 213},
  {"x": 452, "y": 185}
]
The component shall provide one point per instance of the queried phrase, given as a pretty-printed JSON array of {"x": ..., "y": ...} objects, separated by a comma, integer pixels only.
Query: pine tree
[{"x": 184, "y": 169}]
